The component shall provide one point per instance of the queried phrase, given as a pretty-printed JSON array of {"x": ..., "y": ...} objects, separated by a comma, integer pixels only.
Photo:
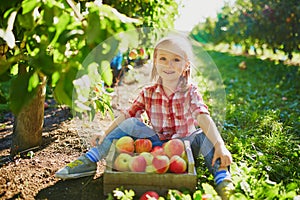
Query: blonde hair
[{"x": 183, "y": 45}]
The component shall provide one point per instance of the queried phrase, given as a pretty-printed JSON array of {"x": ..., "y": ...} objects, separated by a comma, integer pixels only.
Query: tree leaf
[
  {"x": 29, "y": 5},
  {"x": 19, "y": 95},
  {"x": 106, "y": 72},
  {"x": 60, "y": 93},
  {"x": 55, "y": 77},
  {"x": 33, "y": 82},
  {"x": 26, "y": 20},
  {"x": 61, "y": 25}
]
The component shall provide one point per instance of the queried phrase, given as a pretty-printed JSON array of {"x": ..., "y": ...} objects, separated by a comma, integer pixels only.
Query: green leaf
[
  {"x": 48, "y": 15},
  {"x": 61, "y": 94},
  {"x": 94, "y": 34},
  {"x": 33, "y": 81},
  {"x": 197, "y": 195},
  {"x": 93, "y": 72},
  {"x": 29, "y": 5},
  {"x": 106, "y": 72},
  {"x": 292, "y": 186},
  {"x": 92, "y": 114},
  {"x": 64, "y": 88},
  {"x": 55, "y": 78},
  {"x": 44, "y": 62},
  {"x": 4, "y": 66},
  {"x": 208, "y": 189},
  {"x": 238, "y": 196},
  {"x": 19, "y": 94},
  {"x": 61, "y": 25},
  {"x": 26, "y": 21}
]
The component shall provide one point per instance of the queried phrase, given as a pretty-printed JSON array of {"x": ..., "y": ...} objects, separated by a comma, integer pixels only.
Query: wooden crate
[{"x": 141, "y": 182}]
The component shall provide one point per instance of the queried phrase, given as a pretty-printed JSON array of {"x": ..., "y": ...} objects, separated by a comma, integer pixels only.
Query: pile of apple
[{"x": 139, "y": 156}]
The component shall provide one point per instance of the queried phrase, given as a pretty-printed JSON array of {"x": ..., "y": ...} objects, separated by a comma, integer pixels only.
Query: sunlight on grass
[
  {"x": 262, "y": 126},
  {"x": 263, "y": 54}
]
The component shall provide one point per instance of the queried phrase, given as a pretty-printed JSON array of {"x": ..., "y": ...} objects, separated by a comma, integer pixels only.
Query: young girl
[{"x": 174, "y": 108}]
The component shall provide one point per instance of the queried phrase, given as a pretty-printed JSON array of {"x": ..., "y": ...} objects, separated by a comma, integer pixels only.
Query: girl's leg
[
  {"x": 86, "y": 165},
  {"x": 201, "y": 144},
  {"x": 222, "y": 177},
  {"x": 129, "y": 127}
]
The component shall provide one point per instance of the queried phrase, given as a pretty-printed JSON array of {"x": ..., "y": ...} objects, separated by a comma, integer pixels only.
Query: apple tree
[
  {"x": 45, "y": 42},
  {"x": 267, "y": 23}
]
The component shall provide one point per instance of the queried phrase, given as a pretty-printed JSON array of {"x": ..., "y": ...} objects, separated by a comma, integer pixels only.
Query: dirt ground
[{"x": 31, "y": 174}]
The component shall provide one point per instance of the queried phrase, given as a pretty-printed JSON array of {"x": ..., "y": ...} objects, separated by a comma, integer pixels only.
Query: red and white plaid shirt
[{"x": 173, "y": 116}]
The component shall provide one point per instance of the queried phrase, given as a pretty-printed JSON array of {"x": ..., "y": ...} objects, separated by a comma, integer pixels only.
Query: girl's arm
[
  {"x": 97, "y": 138},
  {"x": 209, "y": 128}
]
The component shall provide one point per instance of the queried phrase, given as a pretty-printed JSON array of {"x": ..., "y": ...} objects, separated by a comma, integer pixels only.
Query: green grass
[{"x": 262, "y": 125}]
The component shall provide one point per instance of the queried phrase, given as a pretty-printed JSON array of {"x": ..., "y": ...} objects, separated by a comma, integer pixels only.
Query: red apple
[
  {"x": 177, "y": 165},
  {"x": 150, "y": 195},
  {"x": 142, "y": 145},
  {"x": 174, "y": 147},
  {"x": 138, "y": 164},
  {"x": 125, "y": 145},
  {"x": 148, "y": 157},
  {"x": 122, "y": 161},
  {"x": 133, "y": 54},
  {"x": 161, "y": 164},
  {"x": 141, "y": 52},
  {"x": 157, "y": 150}
]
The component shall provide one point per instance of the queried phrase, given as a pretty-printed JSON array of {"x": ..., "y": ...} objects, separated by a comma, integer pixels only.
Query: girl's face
[{"x": 170, "y": 64}]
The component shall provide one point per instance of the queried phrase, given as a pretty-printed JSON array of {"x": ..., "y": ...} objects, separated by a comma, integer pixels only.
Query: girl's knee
[
  {"x": 127, "y": 123},
  {"x": 131, "y": 121}
]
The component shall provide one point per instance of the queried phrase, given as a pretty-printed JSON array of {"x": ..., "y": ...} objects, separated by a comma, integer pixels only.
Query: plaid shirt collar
[{"x": 181, "y": 87}]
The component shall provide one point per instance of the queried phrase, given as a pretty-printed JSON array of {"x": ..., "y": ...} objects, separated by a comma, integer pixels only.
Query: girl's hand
[
  {"x": 225, "y": 156},
  {"x": 97, "y": 138}
]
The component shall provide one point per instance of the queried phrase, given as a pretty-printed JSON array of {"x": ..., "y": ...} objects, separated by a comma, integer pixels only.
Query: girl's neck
[{"x": 169, "y": 87}]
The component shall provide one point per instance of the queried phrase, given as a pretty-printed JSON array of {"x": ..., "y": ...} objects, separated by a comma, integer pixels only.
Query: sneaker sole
[{"x": 74, "y": 176}]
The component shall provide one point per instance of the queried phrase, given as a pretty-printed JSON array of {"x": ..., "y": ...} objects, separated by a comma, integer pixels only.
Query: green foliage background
[
  {"x": 261, "y": 24},
  {"x": 52, "y": 38}
]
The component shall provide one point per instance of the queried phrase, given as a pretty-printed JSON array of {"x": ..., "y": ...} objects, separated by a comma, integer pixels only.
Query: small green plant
[
  {"x": 121, "y": 194},
  {"x": 30, "y": 154}
]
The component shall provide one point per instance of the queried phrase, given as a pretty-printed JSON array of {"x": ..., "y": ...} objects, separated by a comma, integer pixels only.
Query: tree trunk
[{"x": 28, "y": 124}]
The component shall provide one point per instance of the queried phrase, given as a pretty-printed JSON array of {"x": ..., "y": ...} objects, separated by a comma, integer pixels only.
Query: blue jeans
[{"x": 137, "y": 129}]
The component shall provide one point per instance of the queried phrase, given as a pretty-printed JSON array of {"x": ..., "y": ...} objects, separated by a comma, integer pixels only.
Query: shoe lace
[{"x": 75, "y": 163}]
